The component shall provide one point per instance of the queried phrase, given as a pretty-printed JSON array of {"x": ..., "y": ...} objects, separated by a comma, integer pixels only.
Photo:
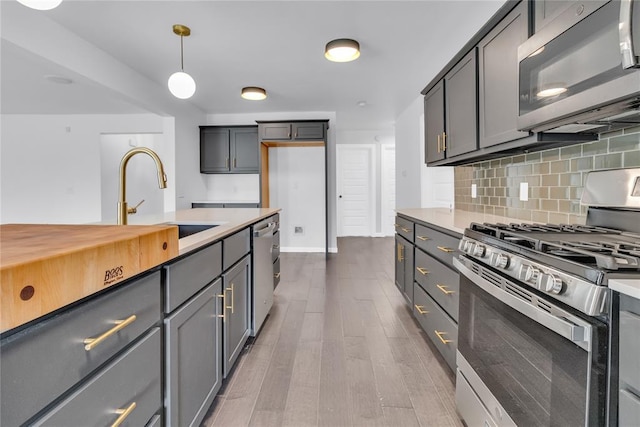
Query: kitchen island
[{"x": 152, "y": 349}]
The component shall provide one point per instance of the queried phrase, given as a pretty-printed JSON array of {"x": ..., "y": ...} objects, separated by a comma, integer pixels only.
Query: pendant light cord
[{"x": 181, "y": 53}]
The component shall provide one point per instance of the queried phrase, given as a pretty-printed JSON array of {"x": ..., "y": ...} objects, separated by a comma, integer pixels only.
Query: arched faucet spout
[{"x": 162, "y": 179}]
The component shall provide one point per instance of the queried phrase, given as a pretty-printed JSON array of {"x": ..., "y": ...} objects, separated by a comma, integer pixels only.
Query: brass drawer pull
[
  {"x": 406, "y": 230},
  {"x": 440, "y": 334},
  {"x": 277, "y": 275},
  {"x": 91, "y": 343},
  {"x": 423, "y": 238},
  {"x": 124, "y": 413},
  {"x": 444, "y": 143},
  {"x": 232, "y": 304},
  {"x": 422, "y": 271},
  {"x": 235, "y": 162},
  {"x": 223, "y": 296},
  {"x": 444, "y": 289},
  {"x": 447, "y": 250},
  {"x": 420, "y": 309},
  {"x": 439, "y": 143}
]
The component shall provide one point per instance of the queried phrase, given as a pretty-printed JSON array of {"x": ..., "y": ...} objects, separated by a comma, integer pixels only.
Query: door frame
[
  {"x": 384, "y": 176},
  {"x": 371, "y": 148}
]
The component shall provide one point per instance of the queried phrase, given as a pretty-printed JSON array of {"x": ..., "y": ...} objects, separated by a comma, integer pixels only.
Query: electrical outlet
[
  {"x": 474, "y": 191},
  {"x": 298, "y": 230},
  {"x": 524, "y": 191}
]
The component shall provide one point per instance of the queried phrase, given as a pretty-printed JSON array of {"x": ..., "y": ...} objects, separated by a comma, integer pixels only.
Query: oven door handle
[{"x": 577, "y": 333}]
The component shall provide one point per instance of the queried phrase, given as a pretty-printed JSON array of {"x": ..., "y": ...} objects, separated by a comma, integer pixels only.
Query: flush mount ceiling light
[
  {"x": 342, "y": 50},
  {"x": 180, "y": 83},
  {"x": 41, "y": 4},
  {"x": 253, "y": 93}
]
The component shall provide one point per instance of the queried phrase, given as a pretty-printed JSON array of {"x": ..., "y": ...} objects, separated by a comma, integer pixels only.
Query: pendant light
[
  {"x": 253, "y": 93},
  {"x": 180, "y": 83},
  {"x": 342, "y": 50},
  {"x": 41, "y": 4}
]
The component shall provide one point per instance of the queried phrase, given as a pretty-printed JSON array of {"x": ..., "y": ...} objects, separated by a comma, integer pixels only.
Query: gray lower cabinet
[
  {"x": 237, "y": 311},
  {"x": 404, "y": 267},
  {"x": 46, "y": 360},
  {"x": 127, "y": 389},
  {"x": 193, "y": 336}
]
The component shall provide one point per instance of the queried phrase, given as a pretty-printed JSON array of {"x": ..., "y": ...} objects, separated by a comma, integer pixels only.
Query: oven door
[
  {"x": 527, "y": 361},
  {"x": 566, "y": 73}
]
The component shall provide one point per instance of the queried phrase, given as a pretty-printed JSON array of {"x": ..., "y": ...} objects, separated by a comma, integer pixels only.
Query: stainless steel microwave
[{"x": 581, "y": 72}]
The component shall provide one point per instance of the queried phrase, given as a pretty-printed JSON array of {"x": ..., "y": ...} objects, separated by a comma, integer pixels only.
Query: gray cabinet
[
  {"x": 229, "y": 149},
  {"x": 498, "y": 78},
  {"x": 461, "y": 135},
  {"x": 292, "y": 131},
  {"x": 193, "y": 357},
  {"x": 236, "y": 317},
  {"x": 404, "y": 268},
  {"x": 127, "y": 389},
  {"x": 434, "y": 123},
  {"x": 547, "y": 10},
  {"x": 43, "y": 361}
]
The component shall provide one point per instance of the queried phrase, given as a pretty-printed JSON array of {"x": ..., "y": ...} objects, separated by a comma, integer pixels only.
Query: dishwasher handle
[{"x": 266, "y": 230}]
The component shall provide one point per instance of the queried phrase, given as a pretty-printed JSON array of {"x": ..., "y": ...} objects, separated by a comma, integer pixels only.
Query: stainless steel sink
[{"x": 187, "y": 228}]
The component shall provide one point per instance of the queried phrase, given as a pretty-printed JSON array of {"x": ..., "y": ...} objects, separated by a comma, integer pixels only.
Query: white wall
[
  {"x": 249, "y": 119},
  {"x": 296, "y": 186},
  {"x": 51, "y": 164},
  {"x": 232, "y": 188},
  {"x": 416, "y": 184}
]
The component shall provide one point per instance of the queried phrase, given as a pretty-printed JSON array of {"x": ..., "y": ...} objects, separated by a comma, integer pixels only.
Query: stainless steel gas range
[{"x": 534, "y": 324}]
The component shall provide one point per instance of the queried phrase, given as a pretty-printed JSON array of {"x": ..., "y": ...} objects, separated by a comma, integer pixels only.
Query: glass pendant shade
[
  {"x": 181, "y": 85},
  {"x": 342, "y": 50},
  {"x": 41, "y": 4}
]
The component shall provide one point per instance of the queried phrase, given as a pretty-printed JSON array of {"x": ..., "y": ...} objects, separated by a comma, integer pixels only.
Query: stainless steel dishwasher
[{"x": 262, "y": 271}]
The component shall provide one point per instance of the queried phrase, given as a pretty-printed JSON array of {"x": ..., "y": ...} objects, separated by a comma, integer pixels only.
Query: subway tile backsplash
[{"x": 555, "y": 178}]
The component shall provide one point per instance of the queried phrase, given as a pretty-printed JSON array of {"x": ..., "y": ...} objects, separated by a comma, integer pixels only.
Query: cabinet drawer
[
  {"x": 629, "y": 349},
  {"x": 440, "y": 329},
  {"x": 43, "y": 361},
  {"x": 440, "y": 282},
  {"x": 188, "y": 275},
  {"x": 235, "y": 247},
  {"x": 134, "y": 377},
  {"x": 437, "y": 244},
  {"x": 404, "y": 227},
  {"x": 276, "y": 272},
  {"x": 628, "y": 409}
]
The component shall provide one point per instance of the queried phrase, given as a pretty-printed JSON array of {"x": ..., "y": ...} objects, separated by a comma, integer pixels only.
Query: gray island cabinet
[{"x": 151, "y": 351}]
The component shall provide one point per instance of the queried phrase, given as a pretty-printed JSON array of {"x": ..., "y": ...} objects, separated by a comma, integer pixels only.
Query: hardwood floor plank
[
  {"x": 334, "y": 407},
  {"x": 302, "y": 401},
  {"x": 404, "y": 417}
]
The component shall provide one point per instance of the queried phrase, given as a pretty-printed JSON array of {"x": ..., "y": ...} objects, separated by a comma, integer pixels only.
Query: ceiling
[{"x": 277, "y": 45}]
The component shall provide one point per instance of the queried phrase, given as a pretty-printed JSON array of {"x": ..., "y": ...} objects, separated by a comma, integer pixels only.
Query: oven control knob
[
  {"x": 479, "y": 250},
  {"x": 551, "y": 284},
  {"x": 501, "y": 261},
  {"x": 467, "y": 246},
  {"x": 531, "y": 274}
]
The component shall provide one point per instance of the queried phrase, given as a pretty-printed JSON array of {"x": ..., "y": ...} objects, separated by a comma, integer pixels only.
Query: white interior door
[
  {"x": 388, "y": 188},
  {"x": 356, "y": 186}
]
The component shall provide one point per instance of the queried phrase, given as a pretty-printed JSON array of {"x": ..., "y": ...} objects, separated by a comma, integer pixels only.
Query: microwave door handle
[
  {"x": 629, "y": 59},
  {"x": 579, "y": 334}
]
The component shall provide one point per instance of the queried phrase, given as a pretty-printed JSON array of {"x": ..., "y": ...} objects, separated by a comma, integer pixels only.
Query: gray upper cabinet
[
  {"x": 498, "y": 78},
  {"x": 229, "y": 149},
  {"x": 434, "y": 123},
  {"x": 547, "y": 10},
  {"x": 461, "y": 135},
  {"x": 293, "y": 131}
]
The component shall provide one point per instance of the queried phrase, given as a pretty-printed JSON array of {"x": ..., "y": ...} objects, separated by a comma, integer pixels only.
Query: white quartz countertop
[
  {"x": 454, "y": 219},
  {"x": 629, "y": 287},
  {"x": 227, "y": 221},
  {"x": 226, "y": 201}
]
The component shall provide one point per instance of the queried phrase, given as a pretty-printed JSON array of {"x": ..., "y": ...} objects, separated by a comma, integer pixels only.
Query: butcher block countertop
[{"x": 44, "y": 267}]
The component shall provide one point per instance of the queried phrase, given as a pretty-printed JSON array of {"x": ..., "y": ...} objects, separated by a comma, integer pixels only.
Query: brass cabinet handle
[
  {"x": 277, "y": 275},
  {"x": 232, "y": 304},
  {"x": 420, "y": 309},
  {"x": 440, "y": 334},
  {"x": 226, "y": 163},
  {"x": 444, "y": 141},
  {"x": 438, "y": 143},
  {"x": 444, "y": 289},
  {"x": 223, "y": 296},
  {"x": 400, "y": 253},
  {"x": 423, "y": 238},
  {"x": 91, "y": 343},
  {"x": 422, "y": 271},
  {"x": 406, "y": 230},
  {"x": 124, "y": 413},
  {"x": 235, "y": 162},
  {"x": 396, "y": 225},
  {"x": 443, "y": 249}
]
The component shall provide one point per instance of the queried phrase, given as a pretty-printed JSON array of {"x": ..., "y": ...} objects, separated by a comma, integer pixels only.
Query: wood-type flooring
[{"x": 339, "y": 348}]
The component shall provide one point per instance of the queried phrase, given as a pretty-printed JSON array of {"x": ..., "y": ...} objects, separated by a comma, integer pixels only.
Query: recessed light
[
  {"x": 361, "y": 103},
  {"x": 58, "y": 79}
]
